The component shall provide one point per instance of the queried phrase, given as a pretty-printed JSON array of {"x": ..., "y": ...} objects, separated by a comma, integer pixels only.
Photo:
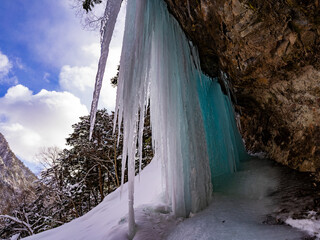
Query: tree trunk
[{"x": 100, "y": 183}]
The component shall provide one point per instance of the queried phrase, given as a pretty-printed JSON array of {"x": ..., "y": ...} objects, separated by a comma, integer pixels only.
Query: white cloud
[
  {"x": 80, "y": 80},
  {"x": 31, "y": 121},
  {"x": 92, "y": 49},
  {"x": 5, "y": 66},
  {"x": 19, "y": 64},
  {"x": 46, "y": 76},
  {"x": 18, "y": 92}
]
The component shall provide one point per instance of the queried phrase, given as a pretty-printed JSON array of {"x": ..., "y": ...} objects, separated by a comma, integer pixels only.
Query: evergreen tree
[
  {"x": 89, "y": 4},
  {"x": 76, "y": 179}
]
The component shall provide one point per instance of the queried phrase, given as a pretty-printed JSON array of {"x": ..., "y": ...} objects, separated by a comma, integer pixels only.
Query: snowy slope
[
  {"x": 109, "y": 219},
  {"x": 237, "y": 211}
]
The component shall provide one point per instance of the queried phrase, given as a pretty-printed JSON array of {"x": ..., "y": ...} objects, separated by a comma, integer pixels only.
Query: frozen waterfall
[
  {"x": 224, "y": 144},
  {"x": 193, "y": 128}
]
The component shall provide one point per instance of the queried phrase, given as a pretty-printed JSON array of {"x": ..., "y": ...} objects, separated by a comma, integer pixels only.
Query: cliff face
[
  {"x": 16, "y": 180},
  {"x": 270, "y": 49}
]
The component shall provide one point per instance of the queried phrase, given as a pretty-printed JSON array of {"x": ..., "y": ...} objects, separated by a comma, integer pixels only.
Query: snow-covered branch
[{"x": 14, "y": 219}]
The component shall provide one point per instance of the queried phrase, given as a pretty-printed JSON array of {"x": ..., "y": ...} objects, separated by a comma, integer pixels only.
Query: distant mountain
[{"x": 16, "y": 180}]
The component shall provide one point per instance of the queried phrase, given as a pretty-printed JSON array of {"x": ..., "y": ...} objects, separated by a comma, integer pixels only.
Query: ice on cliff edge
[{"x": 193, "y": 128}]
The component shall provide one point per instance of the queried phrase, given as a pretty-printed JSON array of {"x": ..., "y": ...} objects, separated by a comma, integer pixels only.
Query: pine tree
[{"x": 75, "y": 179}]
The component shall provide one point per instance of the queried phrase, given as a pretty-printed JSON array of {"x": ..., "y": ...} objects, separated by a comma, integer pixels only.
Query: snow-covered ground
[
  {"x": 109, "y": 219},
  {"x": 240, "y": 204},
  {"x": 311, "y": 225}
]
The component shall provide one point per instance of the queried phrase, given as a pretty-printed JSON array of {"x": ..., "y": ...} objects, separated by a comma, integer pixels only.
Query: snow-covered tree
[{"x": 76, "y": 179}]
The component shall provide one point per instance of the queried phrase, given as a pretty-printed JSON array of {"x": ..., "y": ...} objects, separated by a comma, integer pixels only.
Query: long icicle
[{"x": 109, "y": 21}]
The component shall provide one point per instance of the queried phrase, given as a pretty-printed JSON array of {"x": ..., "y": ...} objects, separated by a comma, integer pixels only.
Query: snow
[
  {"x": 109, "y": 220},
  {"x": 15, "y": 237},
  {"x": 27, "y": 226},
  {"x": 310, "y": 225},
  {"x": 240, "y": 203}
]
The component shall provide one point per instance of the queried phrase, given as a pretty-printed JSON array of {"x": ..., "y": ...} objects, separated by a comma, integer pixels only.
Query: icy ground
[{"x": 238, "y": 211}]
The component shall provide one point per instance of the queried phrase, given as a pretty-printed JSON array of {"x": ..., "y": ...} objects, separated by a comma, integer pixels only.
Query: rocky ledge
[
  {"x": 17, "y": 182},
  {"x": 270, "y": 50}
]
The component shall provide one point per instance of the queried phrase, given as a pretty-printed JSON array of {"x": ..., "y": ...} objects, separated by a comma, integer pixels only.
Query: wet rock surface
[
  {"x": 297, "y": 196},
  {"x": 271, "y": 52}
]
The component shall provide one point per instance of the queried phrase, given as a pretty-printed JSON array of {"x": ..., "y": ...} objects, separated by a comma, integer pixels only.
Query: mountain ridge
[{"x": 16, "y": 180}]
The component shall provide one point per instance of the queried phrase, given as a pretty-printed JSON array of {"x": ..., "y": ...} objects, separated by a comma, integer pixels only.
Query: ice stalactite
[
  {"x": 157, "y": 64},
  {"x": 224, "y": 143},
  {"x": 107, "y": 26},
  {"x": 193, "y": 129}
]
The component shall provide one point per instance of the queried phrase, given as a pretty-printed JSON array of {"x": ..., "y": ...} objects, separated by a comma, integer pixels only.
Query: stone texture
[
  {"x": 270, "y": 50},
  {"x": 16, "y": 180}
]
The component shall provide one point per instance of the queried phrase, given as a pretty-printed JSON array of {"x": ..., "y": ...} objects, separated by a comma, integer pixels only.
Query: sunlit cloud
[
  {"x": 80, "y": 80},
  {"x": 30, "y": 121}
]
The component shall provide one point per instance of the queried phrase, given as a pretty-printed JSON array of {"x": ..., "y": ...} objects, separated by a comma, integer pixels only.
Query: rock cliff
[
  {"x": 270, "y": 50},
  {"x": 16, "y": 180}
]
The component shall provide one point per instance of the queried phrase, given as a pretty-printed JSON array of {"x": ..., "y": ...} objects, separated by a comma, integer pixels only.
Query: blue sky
[
  {"x": 48, "y": 64},
  {"x": 24, "y": 31}
]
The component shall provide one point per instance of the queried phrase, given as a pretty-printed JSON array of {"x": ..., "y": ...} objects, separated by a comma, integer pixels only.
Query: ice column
[
  {"x": 224, "y": 143},
  {"x": 193, "y": 128},
  {"x": 159, "y": 63}
]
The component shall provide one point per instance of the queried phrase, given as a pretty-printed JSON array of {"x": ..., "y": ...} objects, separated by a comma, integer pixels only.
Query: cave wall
[{"x": 270, "y": 50}]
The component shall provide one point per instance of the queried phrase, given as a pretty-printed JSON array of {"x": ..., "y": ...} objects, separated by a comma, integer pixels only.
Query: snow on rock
[{"x": 311, "y": 225}]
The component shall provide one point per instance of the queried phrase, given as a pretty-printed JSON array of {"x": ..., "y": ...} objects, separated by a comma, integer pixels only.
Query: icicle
[
  {"x": 193, "y": 128},
  {"x": 156, "y": 62},
  {"x": 224, "y": 143},
  {"x": 107, "y": 27}
]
